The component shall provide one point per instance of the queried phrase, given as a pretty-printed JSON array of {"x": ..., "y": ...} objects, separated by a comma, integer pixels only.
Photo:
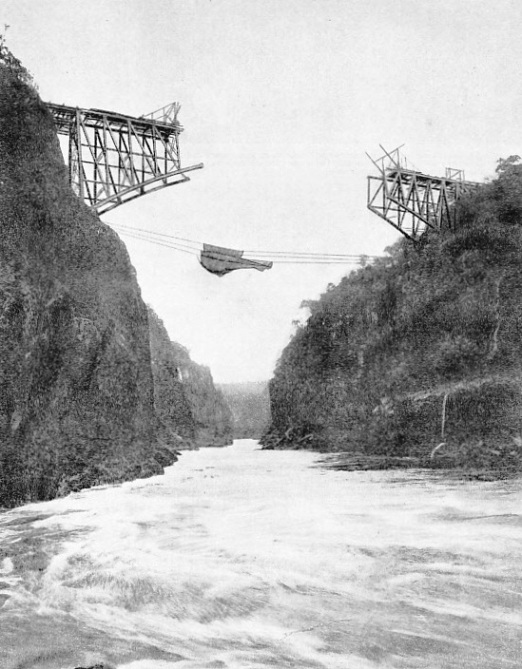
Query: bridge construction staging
[
  {"x": 413, "y": 202},
  {"x": 114, "y": 158}
]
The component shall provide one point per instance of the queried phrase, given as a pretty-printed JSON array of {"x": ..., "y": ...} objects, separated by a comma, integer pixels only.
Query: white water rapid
[{"x": 238, "y": 558}]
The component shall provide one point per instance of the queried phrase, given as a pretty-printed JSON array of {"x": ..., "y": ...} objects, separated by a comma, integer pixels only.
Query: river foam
[{"x": 241, "y": 558}]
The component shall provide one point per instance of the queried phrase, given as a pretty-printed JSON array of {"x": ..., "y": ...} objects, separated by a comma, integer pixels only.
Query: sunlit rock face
[
  {"x": 212, "y": 415},
  {"x": 76, "y": 389},
  {"x": 186, "y": 399},
  {"x": 170, "y": 402}
]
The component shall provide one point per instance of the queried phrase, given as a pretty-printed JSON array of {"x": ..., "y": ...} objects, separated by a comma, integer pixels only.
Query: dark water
[{"x": 238, "y": 558}]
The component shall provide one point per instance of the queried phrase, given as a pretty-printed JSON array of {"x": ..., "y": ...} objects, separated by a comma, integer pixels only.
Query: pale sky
[{"x": 280, "y": 100}]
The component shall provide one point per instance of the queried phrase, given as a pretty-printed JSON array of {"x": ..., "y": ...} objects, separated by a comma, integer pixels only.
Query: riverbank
[
  {"x": 447, "y": 465},
  {"x": 471, "y": 461}
]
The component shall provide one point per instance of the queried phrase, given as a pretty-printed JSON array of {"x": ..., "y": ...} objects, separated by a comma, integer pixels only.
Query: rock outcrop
[{"x": 76, "y": 388}]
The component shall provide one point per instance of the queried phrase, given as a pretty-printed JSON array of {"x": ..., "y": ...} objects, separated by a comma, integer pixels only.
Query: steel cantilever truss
[
  {"x": 412, "y": 201},
  {"x": 115, "y": 158}
]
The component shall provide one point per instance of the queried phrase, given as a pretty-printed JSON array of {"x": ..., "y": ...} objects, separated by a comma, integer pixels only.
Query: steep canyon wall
[{"x": 420, "y": 351}]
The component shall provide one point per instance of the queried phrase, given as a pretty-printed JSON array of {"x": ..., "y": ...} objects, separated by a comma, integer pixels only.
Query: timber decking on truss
[{"x": 114, "y": 158}]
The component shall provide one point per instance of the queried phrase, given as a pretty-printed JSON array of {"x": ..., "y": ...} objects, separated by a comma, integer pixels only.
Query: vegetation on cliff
[{"x": 419, "y": 354}]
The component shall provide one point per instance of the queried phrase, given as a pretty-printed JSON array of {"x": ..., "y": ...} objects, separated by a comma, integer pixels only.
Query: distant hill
[{"x": 250, "y": 406}]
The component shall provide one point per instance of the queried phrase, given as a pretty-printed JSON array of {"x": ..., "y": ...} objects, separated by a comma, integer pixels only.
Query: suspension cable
[
  {"x": 159, "y": 234},
  {"x": 280, "y": 257},
  {"x": 159, "y": 243}
]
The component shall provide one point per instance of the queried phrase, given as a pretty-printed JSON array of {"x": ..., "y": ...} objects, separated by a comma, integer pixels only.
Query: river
[{"x": 238, "y": 558}]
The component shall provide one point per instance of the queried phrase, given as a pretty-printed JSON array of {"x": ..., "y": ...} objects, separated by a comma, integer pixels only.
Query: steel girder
[
  {"x": 115, "y": 158},
  {"x": 411, "y": 201}
]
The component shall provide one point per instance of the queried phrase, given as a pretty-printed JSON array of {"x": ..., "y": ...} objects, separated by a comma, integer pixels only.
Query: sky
[{"x": 280, "y": 99}]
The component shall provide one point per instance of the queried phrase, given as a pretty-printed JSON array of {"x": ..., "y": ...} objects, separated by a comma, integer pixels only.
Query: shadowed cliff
[
  {"x": 418, "y": 355},
  {"x": 76, "y": 388}
]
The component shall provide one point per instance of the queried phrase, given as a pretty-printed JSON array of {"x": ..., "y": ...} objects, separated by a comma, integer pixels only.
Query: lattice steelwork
[
  {"x": 412, "y": 201},
  {"x": 115, "y": 158}
]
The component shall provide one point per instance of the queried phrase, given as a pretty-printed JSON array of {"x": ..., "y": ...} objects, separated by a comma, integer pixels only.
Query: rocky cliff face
[
  {"x": 76, "y": 390},
  {"x": 170, "y": 402},
  {"x": 418, "y": 355},
  {"x": 212, "y": 416},
  {"x": 186, "y": 400}
]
